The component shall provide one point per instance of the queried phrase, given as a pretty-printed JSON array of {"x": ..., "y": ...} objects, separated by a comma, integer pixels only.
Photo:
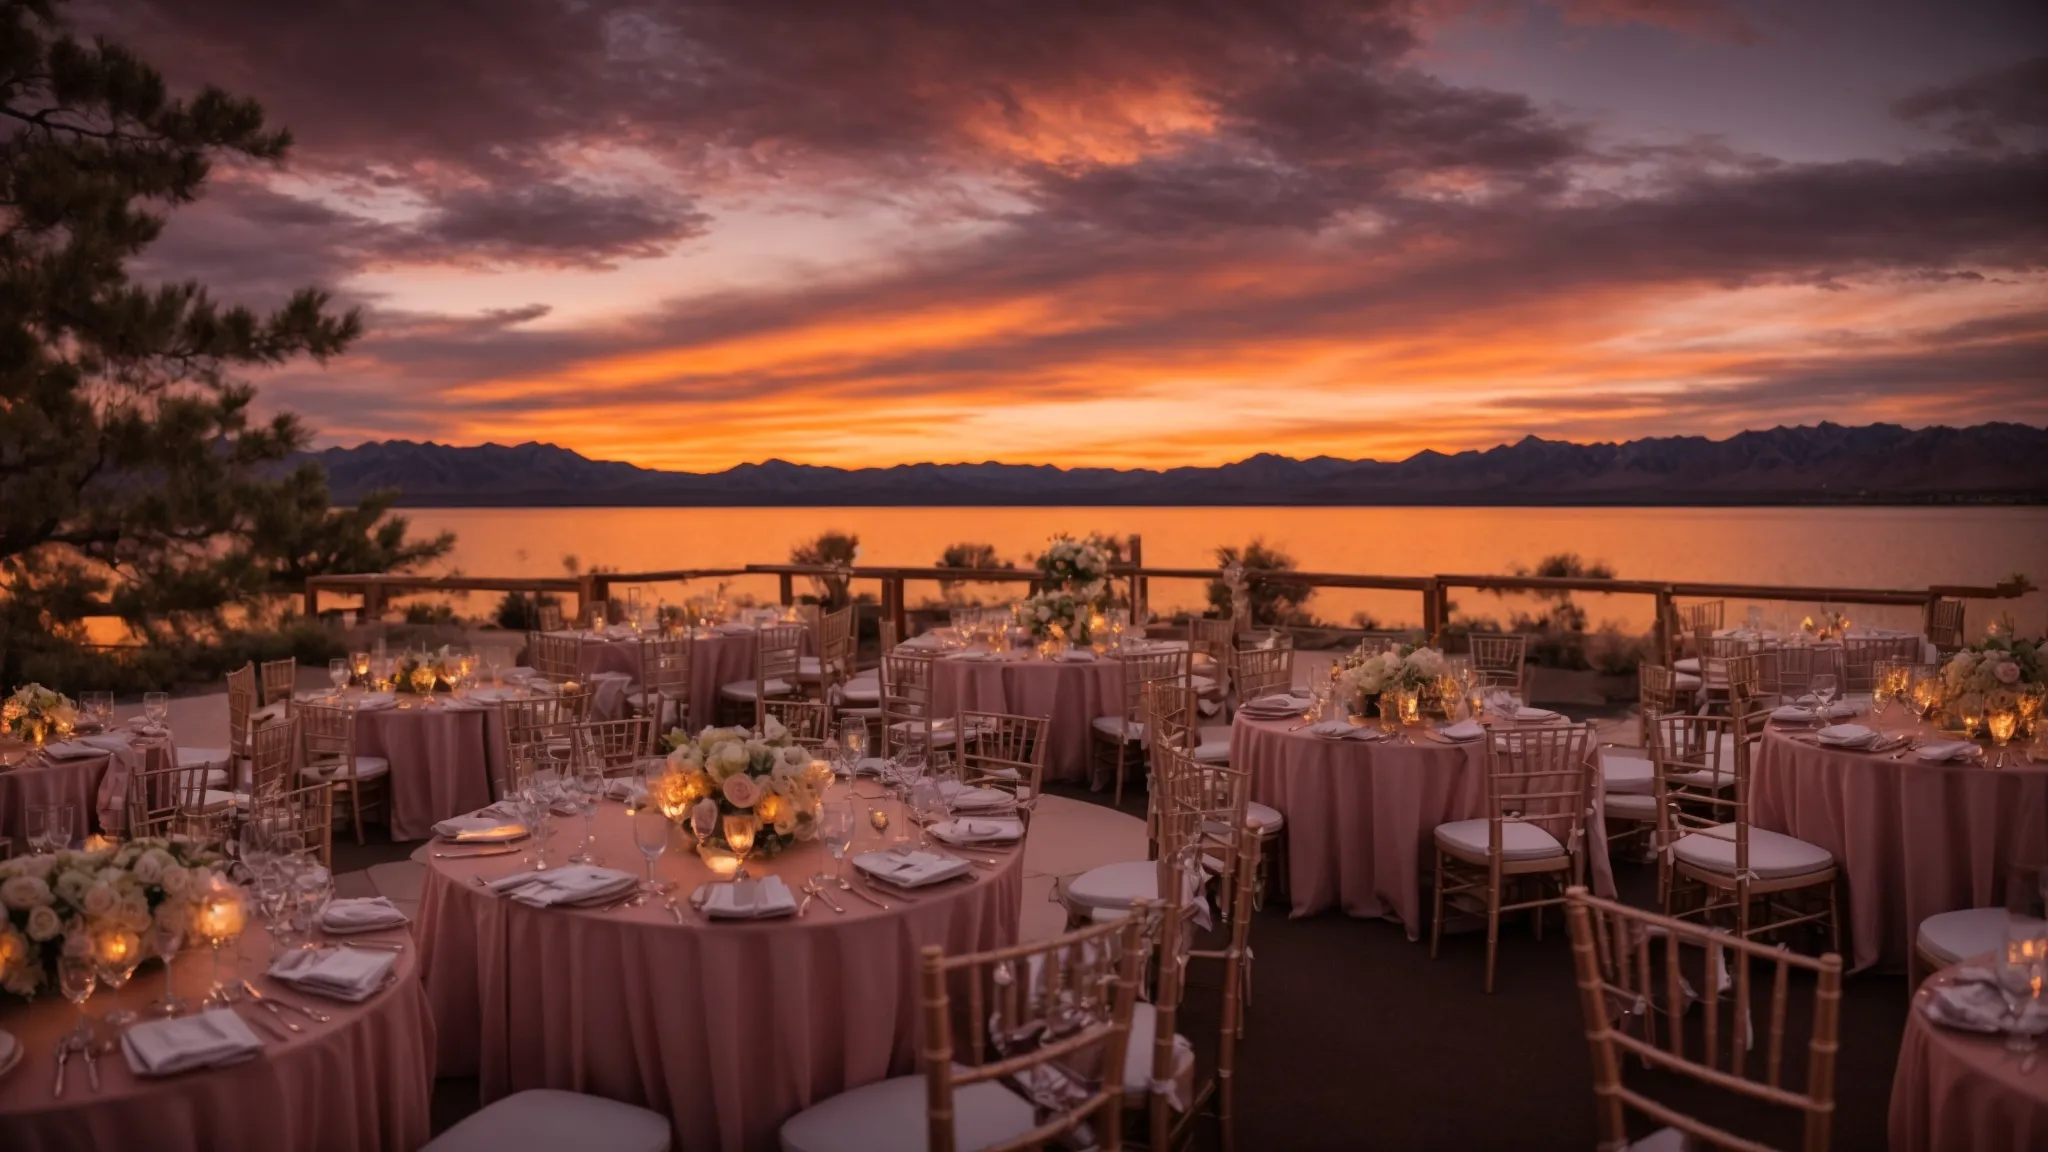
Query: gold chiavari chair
[
  {"x": 1119, "y": 740},
  {"x": 242, "y": 705},
  {"x": 906, "y": 707},
  {"x": 1112, "y": 888},
  {"x": 834, "y": 661},
  {"x": 167, "y": 800},
  {"x": 809, "y": 721},
  {"x": 1053, "y": 1013},
  {"x": 1497, "y": 660},
  {"x": 1706, "y": 841},
  {"x": 1714, "y": 654},
  {"x": 273, "y": 752},
  {"x": 1944, "y": 628},
  {"x": 1006, "y": 753},
  {"x": 778, "y": 653},
  {"x": 1706, "y": 616},
  {"x": 1861, "y": 654},
  {"x": 1170, "y": 719},
  {"x": 1616, "y": 978},
  {"x": 1657, "y": 692},
  {"x": 612, "y": 746},
  {"x": 548, "y": 614},
  {"x": 1154, "y": 1073},
  {"x": 280, "y": 678},
  {"x": 663, "y": 682},
  {"x": 329, "y": 733},
  {"x": 1747, "y": 682},
  {"x": 1257, "y": 672},
  {"x": 1533, "y": 832},
  {"x": 887, "y": 635},
  {"x": 1787, "y": 672},
  {"x": 307, "y": 811},
  {"x": 557, "y": 657},
  {"x": 533, "y": 727},
  {"x": 1209, "y": 647}
]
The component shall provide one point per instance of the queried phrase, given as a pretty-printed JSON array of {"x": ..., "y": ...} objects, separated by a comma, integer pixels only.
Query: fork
[
  {"x": 63, "y": 1054},
  {"x": 313, "y": 1014}
]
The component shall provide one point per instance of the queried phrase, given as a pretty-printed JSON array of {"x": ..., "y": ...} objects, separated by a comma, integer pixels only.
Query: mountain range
[{"x": 1875, "y": 464}]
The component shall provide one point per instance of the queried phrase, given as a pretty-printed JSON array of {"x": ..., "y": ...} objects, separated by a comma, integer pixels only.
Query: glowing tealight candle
[{"x": 98, "y": 843}]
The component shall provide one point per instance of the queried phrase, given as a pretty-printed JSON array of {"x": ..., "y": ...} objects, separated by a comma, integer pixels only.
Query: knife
[
  {"x": 92, "y": 1065},
  {"x": 475, "y": 854},
  {"x": 63, "y": 1054}
]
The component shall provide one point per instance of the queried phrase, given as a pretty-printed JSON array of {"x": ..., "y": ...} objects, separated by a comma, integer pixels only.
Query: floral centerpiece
[
  {"x": 742, "y": 771},
  {"x": 2000, "y": 664},
  {"x": 442, "y": 671},
  {"x": 1070, "y": 613},
  {"x": 35, "y": 713},
  {"x": 1074, "y": 585},
  {"x": 1363, "y": 676},
  {"x": 92, "y": 903}
]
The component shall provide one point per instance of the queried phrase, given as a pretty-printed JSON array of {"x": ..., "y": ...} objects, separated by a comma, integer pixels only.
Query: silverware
[
  {"x": 313, "y": 1014},
  {"x": 805, "y": 905},
  {"x": 92, "y": 1064},
  {"x": 674, "y": 909},
  {"x": 274, "y": 1010},
  {"x": 863, "y": 893},
  {"x": 475, "y": 855},
  {"x": 269, "y": 1026},
  {"x": 63, "y": 1054},
  {"x": 374, "y": 945}
]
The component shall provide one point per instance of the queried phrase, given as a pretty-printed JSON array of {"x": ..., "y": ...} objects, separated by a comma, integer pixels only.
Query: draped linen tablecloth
[
  {"x": 1070, "y": 694},
  {"x": 1913, "y": 839},
  {"x": 95, "y": 786},
  {"x": 728, "y": 1028},
  {"x": 1956, "y": 1090},
  {"x": 717, "y": 658},
  {"x": 444, "y": 760},
  {"x": 1362, "y": 815},
  {"x": 365, "y": 1081}
]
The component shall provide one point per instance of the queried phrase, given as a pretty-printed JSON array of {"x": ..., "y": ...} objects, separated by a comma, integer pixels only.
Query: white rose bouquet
[
  {"x": 1081, "y": 565},
  {"x": 2000, "y": 664},
  {"x": 35, "y": 713},
  {"x": 1069, "y": 611},
  {"x": 73, "y": 902},
  {"x": 1363, "y": 676},
  {"x": 742, "y": 771}
]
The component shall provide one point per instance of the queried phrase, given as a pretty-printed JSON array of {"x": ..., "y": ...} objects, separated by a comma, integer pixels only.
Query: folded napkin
[
  {"x": 376, "y": 701},
  {"x": 1970, "y": 1000},
  {"x": 961, "y": 796},
  {"x": 1940, "y": 750},
  {"x": 1344, "y": 730},
  {"x": 1462, "y": 730},
  {"x": 344, "y": 973},
  {"x": 168, "y": 1047},
  {"x": 987, "y": 830},
  {"x": 576, "y": 884},
  {"x": 909, "y": 868},
  {"x": 749, "y": 899},
  {"x": 74, "y": 750},
  {"x": 1792, "y": 714},
  {"x": 1839, "y": 710},
  {"x": 520, "y": 674},
  {"x": 1283, "y": 703},
  {"x": 493, "y": 825},
  {"x": 735, "y": 628},
  {"x": 1077, "y": 656},
  {"x": 1848, "y": 736},
  {"x": 365, "y": 914},
  {"x": 1522, "y": 714}
]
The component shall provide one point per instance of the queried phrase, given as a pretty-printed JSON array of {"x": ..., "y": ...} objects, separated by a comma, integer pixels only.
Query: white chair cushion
[
  {"x": 1627, "y": 770},
  {"x": 891, "y": 1114},
  {"x": 745, "y": 689},
  {"x": 808, "y": 668},
  {"x": 1721, "y": 775},
  {"x": 1204, "y": 685},
  {"x": 1772, "y": 855},
  {"x": 196, "y": 757},
  {"x": 1138, "y": 1054},
  {"x": 1213, "y": 752},
  {"x": 1115, "y": 726},
  {"x": 1689, "y": 664},
  {"x": 216, "y": 778},
  {"x": 862, "y": 690},
  {"x": 1115, "y": 885},
  {"x": 367, "y": 768},
  {"x": 1264, "y": 819},
  {"x": 1686, "y": 682},
  {"x": 1630, "y": 806},
  {"x": 214, "y": 798},
  {"x": 1953, "y": 937},
  {"x": 1518, "y": 841},
  {"x": 547, "y": 1120}
]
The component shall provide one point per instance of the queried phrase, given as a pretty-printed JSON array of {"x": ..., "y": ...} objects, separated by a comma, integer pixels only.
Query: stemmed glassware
[
  {"x": 1823, "y": 689},
  {"x": 117, "y": 956},
  {"x": 2022, "y": 978},
  {"x": 650, "y": 835},
  {"x": 739, "y": 836},
  {"x": 359, "y": 664},
  {"x": 337, "y": 674},
  {"x": 704, "y": 821},
  {"x": 927, "y": 802},
  {"x": 589, "y": 787},
  {"x": 853, "y": 736},
  {"x": 835, "y": 828},
  {"x": 167, "y": 939},
  {"x": 76, "y": 978},
  {"x": 156, "y": 708},
  {"x": 39, "y": 820}
]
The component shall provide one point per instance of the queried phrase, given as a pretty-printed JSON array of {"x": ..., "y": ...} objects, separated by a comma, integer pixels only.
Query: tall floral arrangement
[
  {"x": 741, "y": 771},
  {"x": 83, "y": 903},
  {"x": 1999, "y": 663},
  {"x": 1364, "y": 675},
  {"x": 1074, "y": 579},
  {"x": 35, "y": 713}
]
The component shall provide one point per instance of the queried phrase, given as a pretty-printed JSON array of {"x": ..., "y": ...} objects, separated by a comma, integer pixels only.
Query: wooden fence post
[
  {"x": 312, "y": 598},
  {"x": 786, "y": 584},
  {"x": 1662, "y": 629},
  {"x": 1432, "y": 612},
  {"x": 1139, "y": 591}
]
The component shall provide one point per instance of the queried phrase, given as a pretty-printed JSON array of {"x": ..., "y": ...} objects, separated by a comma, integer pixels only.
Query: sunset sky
[{"x": 860, "y": 232}]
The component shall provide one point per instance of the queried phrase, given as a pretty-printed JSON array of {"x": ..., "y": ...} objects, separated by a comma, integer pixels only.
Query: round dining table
[
  {"x": 1954, "y": 1089},
  {"x": 1913, "y": 838},
  {"x": 362, "y": 1080},
  {"x": 93, "y": 781},
  {"x": 1070, "y": 692},
  {"x": 720, "y": 655},
  {"x": 728, "y": 1027},
  {"x": 1362, "y": 814}
]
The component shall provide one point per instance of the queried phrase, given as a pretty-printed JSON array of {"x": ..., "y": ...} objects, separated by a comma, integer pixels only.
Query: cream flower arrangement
[
  {"x": 1363, "y": 676},
  {"x": 75, "y": 902},
  {"x": 1058, "y": 607},
  {"x": 2000, "y": 663},
  {"x": 742, "y": 771},
  {"x": 1081, "y": 566},
  {"x": 35, "y": 713}
]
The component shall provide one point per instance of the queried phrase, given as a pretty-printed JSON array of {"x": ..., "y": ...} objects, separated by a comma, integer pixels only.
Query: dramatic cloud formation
[{"x": 693, "y": 234}]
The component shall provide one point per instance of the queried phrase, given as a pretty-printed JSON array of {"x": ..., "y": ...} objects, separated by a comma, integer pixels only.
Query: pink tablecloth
[
  {"x": 728, "y": 1028},
  {"x": 1362, "y": 816},
  {"x": 39, "y": 783},
  {"x": 443, "y": 761},
  {"x": 1913, "y": 839},
  {"x": 1072, "y": 695},
  {"x": 364, "y": 1081},
  {"x": 1961, "y": 1090},
  {"x": 716, "y": 659}
]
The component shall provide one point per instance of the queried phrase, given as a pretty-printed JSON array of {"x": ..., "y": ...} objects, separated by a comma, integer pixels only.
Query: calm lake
[{"x": 1830, "y": 547}]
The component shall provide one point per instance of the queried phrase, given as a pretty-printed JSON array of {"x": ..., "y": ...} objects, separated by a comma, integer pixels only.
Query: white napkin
[
  {"x": 749, "y": 899},
  {"x": 489, "y": 826},
  {"x": 961, "y": 796},
  {"x": 350, "y": 974},
  {"x": 576, "y": 884},
  {"x": 365, "y": 914},
  {"x": 519, "y": 674},
  {"x": 1462, "y": 730},
  {"x": 1940, "y": 750},
  {"x": 1528, "y": 715},
  {"x": 988, "y": 830},
  {"x": 168, "y": 1047},
  {"x": 73, "y": 750},
  {"x": 909, "y": 868},
  {"x": 1077, "y": 656},
  {"x": 1839, "y": 710},
  {"x": 1280, "y": 705},
  {"x": 1848, "y": 736},
  {"x": 1792, "y": 714},
  {"x": 376, "y": 701},
  {"x": 494, "y": 693},
  {"x": 733, "y": 629},
  {"x": 1973, "y": 1002}
]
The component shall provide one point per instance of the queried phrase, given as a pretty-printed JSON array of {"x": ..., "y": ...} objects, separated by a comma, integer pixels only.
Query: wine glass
[
  {"x": 76, "y": 978},
  {"x": 39, "y": 820},
  {"x": 494, "y": 659},
  {"x": 63, "y": 820},
  {"x": 156, "y": 708},
  {"x": 1883, "y": 686},
  {"x": 739, "y": 836},
  {"x": 704, "y": 821},
  {"x": 117, "y": 956},
  {"x": 423, "y": 677},
  {"x": 1823, "y": 688},
  {"x": 589, "y": 787},
  {"x": 853, "y": 736},
  {"x": 2022, "y": 973},
  {"x": 1971, "y": 713},
  {"x": 835, "y": 828},
  {"x": 166, "y": 939},
  {"x": 650, "y": 835},
  {"x": 910, "y": 765},
  {"x": 2028, "y": 702}
]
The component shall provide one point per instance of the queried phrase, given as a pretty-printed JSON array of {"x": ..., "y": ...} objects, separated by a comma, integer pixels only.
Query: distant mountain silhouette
[{"x": 1878, "y": 464}]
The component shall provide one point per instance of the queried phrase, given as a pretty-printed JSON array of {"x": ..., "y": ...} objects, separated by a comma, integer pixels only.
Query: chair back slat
[
  {"x": 1705, "y": 616},
  {"x": 167, "y": 800},
  {"x": 549, "y": 616},
  {"x": 1143, "y": 669},
  {"x": 273, "y": 753},
  {"x": 1257, "y": 672},
  {"x": 1539, "y": 776},
  {"x": 1944, "y": 627},
  {"x": 906, "y": 701},
  {"x": 1862, "y": 654},
  {"x": 556, "y": 656},
  {"x": 1005, "y": 752},
  {"x": 307, "y": 811},
  {"x": 778, "y": 654},
  {"x": 1499, "y": 655},
  {"x": 612, "y": 746},
  {"x": 242, "y": 705},
  {"x": 280, "y": 677},
  {"x": 809, "y": 721}
]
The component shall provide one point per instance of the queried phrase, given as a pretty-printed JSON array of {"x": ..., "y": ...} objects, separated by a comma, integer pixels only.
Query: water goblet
[
  {"x": 359, "y": 667},
  {"x": 117, "y": 954},
  {"x": 589, "y": 788},
  {"x": 39, "y": 820},
  {"x": 312, "y": 890},
  {"x": 853, "y": 736},
  {"x": 2022, "y": 974},
  {"x": 925, "y": 799},
  {"x": 1823, "y": 688},
  {"x": 739, "y": 836},
  {"x": 167, "y": 939},
  {"x": 704, "y": 821},
  {"x": 77, "y": 976},
  {"x": 1970, "y": 711},
  {"x": 835, "y": 828},
  {"x": 650, "y": 835},
  {"x": 423, "y": 677},
  {"x": 156, "y": 708}
]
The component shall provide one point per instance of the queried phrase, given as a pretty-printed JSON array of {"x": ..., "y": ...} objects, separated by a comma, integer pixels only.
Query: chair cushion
[
  {"x": 1213, "y": 752},
  {"x": 1689, "y": 664},
  {"x": 367, "y": 768},
  {"x": 1630, "y": 806},
  {"x": 862, "y": 690},
  {"x": 1518, "y": 841},
  {"x": 1264, "y": 818},
  {"x": 1204, "y": 685},
  {"x": 1772, "y": 855},
  {"x": 548, "y": 1120},
  {"x": 745, "y": 689},
  {"x": 891, "y": 1114},
  {"x": 1115, "y": 726},
  {"x": 1686, "y": 682},
  {"x": 1627, "y": 770},
  {"x": 809, "y": 668},
  {"x": 209, "y": 757},
  {"x": 1952, "y": 937},
  {"x": 215, "y": 798},
  {"x": 1115, "y": 885},
  {"x": 1138, "y": 1057}
]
